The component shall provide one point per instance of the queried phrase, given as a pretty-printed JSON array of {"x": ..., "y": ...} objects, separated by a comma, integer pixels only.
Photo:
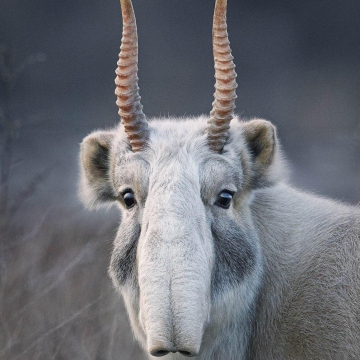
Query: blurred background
[{"x": 298, "y": 66}]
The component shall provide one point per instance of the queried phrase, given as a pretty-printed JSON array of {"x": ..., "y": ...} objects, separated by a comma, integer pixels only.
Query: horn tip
[
  {"x": 126, "y": 7},
  {"x": 221, "y": 4}
]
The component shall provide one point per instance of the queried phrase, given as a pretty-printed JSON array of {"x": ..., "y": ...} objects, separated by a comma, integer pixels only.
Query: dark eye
[
  {"x": 224, "y": 199},
  {"x": 129, "y": 199}
]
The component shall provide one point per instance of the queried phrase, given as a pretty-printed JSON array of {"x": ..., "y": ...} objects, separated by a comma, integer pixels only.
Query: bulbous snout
[
  {"x": 160, "y": 345},
  {"x": 174, "y": 282},
  {"x": 177, "y": 337},
  {"x": 174, "y": 258},
  {"x": 175, "y": 311}
]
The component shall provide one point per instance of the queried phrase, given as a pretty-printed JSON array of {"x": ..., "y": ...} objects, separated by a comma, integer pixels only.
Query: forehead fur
[
  {"x": 168, "y": 136},
  {"x": 182, "y": 142}
]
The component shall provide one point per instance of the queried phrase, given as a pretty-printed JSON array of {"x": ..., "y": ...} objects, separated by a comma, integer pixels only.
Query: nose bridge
[
  {"x": 175, "y": 240},
  {"x": 174, "y": 205},
  {"x": 176, "y": 234},
  {"x": 174, "y": 267}
]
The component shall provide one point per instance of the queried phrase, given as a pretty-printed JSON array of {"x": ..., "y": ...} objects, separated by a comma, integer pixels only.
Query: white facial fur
[{"x": 167, "y": 260}]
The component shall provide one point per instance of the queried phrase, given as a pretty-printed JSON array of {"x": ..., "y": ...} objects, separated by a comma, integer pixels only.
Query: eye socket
[
  {"x": 224, "y": 199},
  {"x": 129, "y": 198}
]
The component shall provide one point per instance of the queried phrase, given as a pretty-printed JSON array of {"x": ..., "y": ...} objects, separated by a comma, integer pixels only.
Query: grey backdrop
[{"x": 298, "y": 66}]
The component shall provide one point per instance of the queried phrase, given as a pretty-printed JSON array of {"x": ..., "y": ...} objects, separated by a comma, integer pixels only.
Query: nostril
[
  {"x": 187, "y": 353},
  {"x": 159, "y": 352},
  {"x": 163, "y": 352}
]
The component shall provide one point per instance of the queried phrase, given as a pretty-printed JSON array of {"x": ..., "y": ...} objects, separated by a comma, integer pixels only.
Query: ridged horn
[
  {"x": 127, "y": 89},
  {"x": 225, "y": 86}
]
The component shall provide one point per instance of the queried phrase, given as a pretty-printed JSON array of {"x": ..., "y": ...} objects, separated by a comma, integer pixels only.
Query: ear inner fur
[
  {"x": 95, "y": 159},
  {"x": 261, "y": 140}
]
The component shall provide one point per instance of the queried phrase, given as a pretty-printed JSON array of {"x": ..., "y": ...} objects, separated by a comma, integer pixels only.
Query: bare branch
[
  {"x": 2, "y": 116},
  {"x": 30, "y": 60},
  {"x": 53, "y": 329},
  {"x": 17, "y": 162},
  {"x": 29, "y": 236},
  {"x": 60, "y": 276},
  {"x": 29, "y": 190},
  {"x": 31, "y": 120}
]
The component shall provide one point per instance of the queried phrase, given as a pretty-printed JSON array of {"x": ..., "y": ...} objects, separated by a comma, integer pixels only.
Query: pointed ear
[
  {"x": 95, "y": 163},
  {"x": 262, "y": 143}
]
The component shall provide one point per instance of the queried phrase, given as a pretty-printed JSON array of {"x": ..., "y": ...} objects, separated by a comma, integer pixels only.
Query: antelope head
[{"x": 186, "y": 247}]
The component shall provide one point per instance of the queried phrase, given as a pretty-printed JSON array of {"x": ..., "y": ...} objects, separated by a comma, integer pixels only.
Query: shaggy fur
[{"x": 275, "y": 276}]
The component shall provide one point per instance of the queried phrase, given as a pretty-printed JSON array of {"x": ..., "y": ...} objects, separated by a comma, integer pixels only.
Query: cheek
[
  {"x": 123, "y": 258},
  {"x": 234, "y": 254}
]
